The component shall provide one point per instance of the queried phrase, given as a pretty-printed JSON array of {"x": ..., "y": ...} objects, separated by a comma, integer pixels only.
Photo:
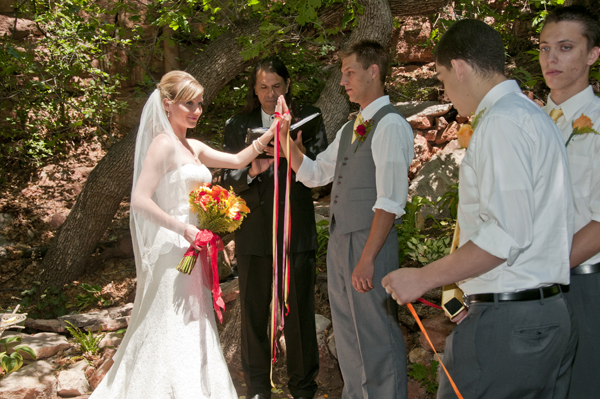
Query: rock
[
  {"x": 72, "y": 382},
  {"x": 422, "y": 108},
  {"x": 43, "y": 344},
  {"x": 414, "y": 32},
  {"x": 56, "y": 221},
  {"x": 23, "y": 28},
  {"x": 231, "y": 290},
  {"x": 415, "y": 390},
  {"x": 433, "y": 179},
  {"x": 111, "y": 319},
  {"x": 420, "y": 355},
  {"x": 101, "y": 371},
  {"x": 448, "y": 134},
  {"x": 420, "y": 122},
  {"x": 5, "y": 219},
  {"x": 322, "y": 323},
  {"x": 45, "y": 325},
  {"x": 441, "y": 123},
  {"x": 111, "y": 339},
  {"x": 438, "y": 327},
  {"x": 331, "y": 344},
  {"x": 35, "y": 380},
  {"x": 430, "y": 135}
]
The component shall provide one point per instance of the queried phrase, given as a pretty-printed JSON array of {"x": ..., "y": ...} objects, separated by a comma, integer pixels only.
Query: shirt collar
[
  {"x": 497, "y": 92},
  {"x": 375, "y": 106},
  {"x": 266, "y": 118},
  {"x": 573, "y": 104}
]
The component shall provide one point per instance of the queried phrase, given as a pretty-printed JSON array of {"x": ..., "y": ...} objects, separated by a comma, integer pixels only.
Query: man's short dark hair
[
  {"x": 369, "y": 52},
  {"x": 272, "y": 65},
  {"x": 590, "y": 27},
  {"x": 474, "y": 42}
]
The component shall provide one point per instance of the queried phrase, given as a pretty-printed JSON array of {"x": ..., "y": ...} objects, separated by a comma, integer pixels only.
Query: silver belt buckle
[{"x": 466, "y": 301}]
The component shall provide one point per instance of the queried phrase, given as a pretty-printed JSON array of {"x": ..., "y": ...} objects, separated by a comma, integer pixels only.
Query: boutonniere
[
  {"x": 466, "y": 131},
  {"x": 582, "y": 125},
  {"x": 362, "y": 131}
]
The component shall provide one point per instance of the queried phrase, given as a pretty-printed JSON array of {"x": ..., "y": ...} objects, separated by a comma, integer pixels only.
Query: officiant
[{"x": 253, "y": 241}]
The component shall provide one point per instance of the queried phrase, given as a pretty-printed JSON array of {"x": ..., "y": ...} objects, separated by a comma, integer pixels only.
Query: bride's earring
[{"x": 168, "y": 114}]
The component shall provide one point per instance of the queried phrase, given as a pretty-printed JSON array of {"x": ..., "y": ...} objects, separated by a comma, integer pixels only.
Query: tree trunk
[{"x": 376, "y": 23}]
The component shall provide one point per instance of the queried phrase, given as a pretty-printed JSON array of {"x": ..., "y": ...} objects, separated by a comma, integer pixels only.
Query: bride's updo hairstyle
[{"x": 179, "y": 86}]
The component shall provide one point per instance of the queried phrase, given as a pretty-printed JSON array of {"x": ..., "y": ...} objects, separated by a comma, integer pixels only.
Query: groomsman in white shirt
[
  {"x": 368, "y": 164},
  {"x": 569, "y": 45},
  {"x": 516, "y": 217}
]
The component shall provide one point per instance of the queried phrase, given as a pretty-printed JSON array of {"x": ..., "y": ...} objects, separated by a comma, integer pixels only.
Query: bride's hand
[
  {"x": 189, "y": 234},
  {"x": 284, "y": 121}
]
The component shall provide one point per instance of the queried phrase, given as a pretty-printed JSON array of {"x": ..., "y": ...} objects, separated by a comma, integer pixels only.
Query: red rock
[
  {"x": 438, "y": 327},
  {"x": 430, "y": 135},
  {"x": 56, "y": 221},
  {"x": 447, "y": 134},
  {"x": 99, "y": 374},
  {"x": 462, "y": 119},
  {"x": 420, "y": 122},
  {"x": 45, "y": 325},
  {"x": 441, "y": 123},
  {"x": 415, "y": 390}
]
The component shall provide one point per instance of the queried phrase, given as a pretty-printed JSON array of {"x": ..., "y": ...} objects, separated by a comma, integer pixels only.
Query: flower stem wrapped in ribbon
[{"x": 219, "y": 211}]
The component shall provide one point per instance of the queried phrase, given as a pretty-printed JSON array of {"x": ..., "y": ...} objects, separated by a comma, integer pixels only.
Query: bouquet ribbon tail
[{"x": 186, "y": 265}]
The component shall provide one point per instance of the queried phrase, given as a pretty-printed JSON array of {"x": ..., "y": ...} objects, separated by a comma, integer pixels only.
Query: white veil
[{"x": 149, "y": 231}]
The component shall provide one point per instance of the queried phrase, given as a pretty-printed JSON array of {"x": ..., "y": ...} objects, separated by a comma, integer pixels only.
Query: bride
[{"x": 171, "y": 348}]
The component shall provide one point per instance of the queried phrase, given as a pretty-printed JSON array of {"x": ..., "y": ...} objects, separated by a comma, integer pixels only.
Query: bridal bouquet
[{"x": 219, "y": 211}]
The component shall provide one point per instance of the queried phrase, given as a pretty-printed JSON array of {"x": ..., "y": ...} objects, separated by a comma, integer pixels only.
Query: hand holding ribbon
[{"x": 214, "y": 244}]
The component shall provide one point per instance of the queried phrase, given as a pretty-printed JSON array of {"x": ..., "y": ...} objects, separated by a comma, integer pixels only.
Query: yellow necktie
[
  {"x": 359, "y": 120},
  {"x": 555, "y": 114}
]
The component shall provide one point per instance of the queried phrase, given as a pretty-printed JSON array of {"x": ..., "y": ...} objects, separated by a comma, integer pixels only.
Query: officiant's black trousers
[{"x": 255, "y": 278}]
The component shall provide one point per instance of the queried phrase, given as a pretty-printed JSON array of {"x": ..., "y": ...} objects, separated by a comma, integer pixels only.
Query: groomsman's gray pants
[
  {"x": 584, "y": 298},
  {"x": 368, "y": 338},
  {"x": 512, "y": 350}
]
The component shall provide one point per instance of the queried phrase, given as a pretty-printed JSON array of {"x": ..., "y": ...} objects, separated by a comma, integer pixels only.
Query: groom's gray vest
[{"x": 354, "y": 190}]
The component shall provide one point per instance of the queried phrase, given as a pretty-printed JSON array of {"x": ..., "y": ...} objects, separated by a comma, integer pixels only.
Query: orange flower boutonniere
[
  {"x": 466, "y": 131},
  {"x": 582, "y": 125}
]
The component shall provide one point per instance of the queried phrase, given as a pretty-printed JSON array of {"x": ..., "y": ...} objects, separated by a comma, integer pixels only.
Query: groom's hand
[
  {"x": 362, "y": 276},
  {"x": 259, "y": 166}
]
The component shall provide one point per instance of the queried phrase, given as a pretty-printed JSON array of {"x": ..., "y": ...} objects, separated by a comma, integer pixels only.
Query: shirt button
[
  {"x": 345, "y": 158},
  {"x": 262, "y": 202},
  {"x": 344, "y": 163},
  {"x": 339, "y": 177},
  {"x": 335, "y": 202}
]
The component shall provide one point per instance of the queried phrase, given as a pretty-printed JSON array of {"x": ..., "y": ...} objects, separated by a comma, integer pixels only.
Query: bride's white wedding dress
[{"x": 171, "y": 348}]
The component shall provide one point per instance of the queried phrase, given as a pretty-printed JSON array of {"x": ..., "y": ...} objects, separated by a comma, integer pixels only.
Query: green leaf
[{"x": 26, "y": 349}]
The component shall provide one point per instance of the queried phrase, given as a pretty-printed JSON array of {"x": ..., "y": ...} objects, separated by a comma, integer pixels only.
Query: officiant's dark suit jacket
[
  {"x": 253, "y": 246},
  {"x": 255, "y": 235}
]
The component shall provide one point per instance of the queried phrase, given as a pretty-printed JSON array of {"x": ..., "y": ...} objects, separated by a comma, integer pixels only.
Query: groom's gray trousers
[{"x": 369, "y": 342}]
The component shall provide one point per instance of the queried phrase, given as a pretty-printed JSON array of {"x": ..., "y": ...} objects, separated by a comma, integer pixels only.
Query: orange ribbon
[{"x": 416, "y": 316}]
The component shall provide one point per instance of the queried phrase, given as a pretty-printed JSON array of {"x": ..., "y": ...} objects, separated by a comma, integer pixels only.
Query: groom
[{"x": 368, "y": 164}]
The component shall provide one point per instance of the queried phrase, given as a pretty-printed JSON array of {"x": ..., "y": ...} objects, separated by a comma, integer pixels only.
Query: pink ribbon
[{"x": 214, "y": 244}]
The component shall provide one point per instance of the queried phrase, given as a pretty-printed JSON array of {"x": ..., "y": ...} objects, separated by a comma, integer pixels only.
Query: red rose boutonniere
[{"x": 362, "y": 130}]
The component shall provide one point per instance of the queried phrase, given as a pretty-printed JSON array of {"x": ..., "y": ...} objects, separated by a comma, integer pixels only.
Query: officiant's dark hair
[
  {"x": 369, "y": 52},
  {"x": 474, "y": 42},
  {"x": 588, "y": 21},
  {"x": 273, "y": 65}
]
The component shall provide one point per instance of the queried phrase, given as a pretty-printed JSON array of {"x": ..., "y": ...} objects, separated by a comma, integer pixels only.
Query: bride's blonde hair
[{"x": 179, "y": 86}]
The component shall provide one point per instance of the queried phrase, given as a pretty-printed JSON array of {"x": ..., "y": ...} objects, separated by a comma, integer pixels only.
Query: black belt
[
  {"x": 585, "y": 269},
  {"x": 527, "y": 295}
]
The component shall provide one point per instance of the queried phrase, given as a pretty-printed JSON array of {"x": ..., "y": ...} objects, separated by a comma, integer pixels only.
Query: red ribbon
[
  {"x": 423, "y": 301},
  {"x": 214, "y": 244}
]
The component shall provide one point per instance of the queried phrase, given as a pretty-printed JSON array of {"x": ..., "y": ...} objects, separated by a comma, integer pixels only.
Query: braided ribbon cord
[{"x": 285, "y": 258}]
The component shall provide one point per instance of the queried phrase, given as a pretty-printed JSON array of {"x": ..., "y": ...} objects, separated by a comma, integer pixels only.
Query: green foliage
[
  {"x": 49, "y": 97},
  {"x": 449, "y": 199},
  {"x": 92, "y": 296},
  {"x": 14, "y": 361},
  {"x": 87, "y": 342},
  {"x": 410, "y": 227},
  {"x": 322, "y": 241},
  {"x": 426, "y": 375},
  {"x": 428, "y": 250},
  {"x": 50, "y": 305}
]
